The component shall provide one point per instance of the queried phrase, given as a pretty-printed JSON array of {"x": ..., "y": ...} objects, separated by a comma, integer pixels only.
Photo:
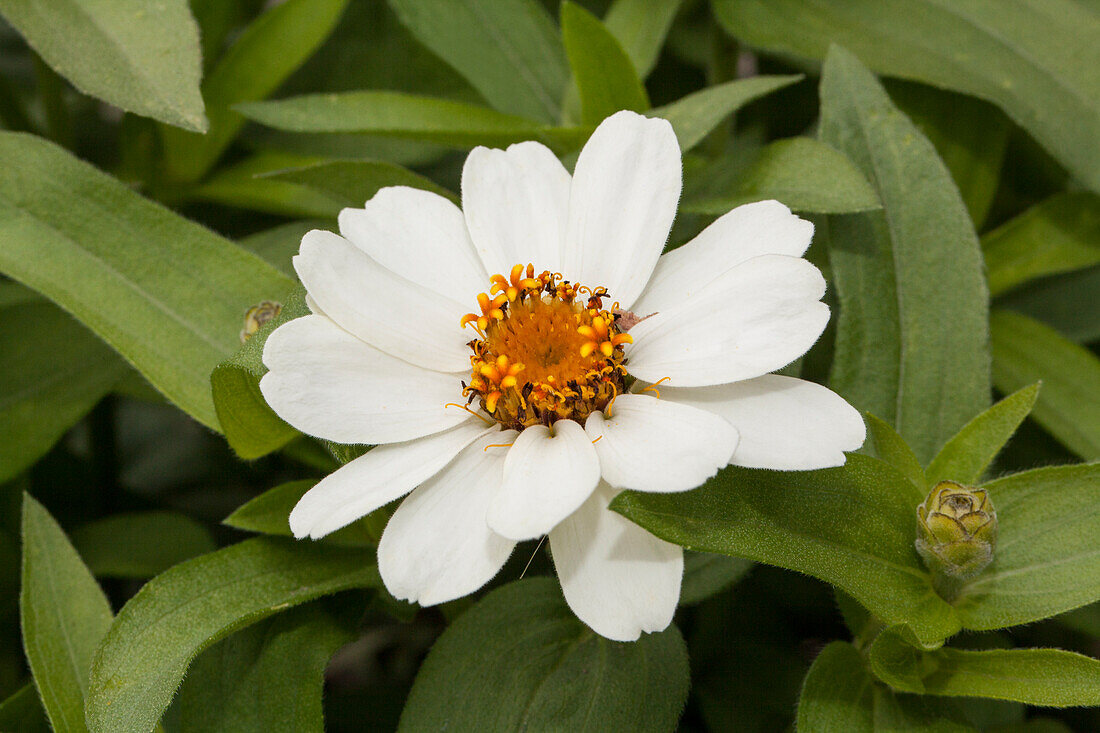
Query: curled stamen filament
[
  {"x": 653, "y": 387},
  {"x": 496, "y": 445},
  {"x": 479, "y": 416}
]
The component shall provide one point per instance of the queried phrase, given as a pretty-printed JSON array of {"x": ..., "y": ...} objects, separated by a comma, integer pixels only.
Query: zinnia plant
[
  {"x": 549, "y": 365},
  {"x": 605, "y": 366}
]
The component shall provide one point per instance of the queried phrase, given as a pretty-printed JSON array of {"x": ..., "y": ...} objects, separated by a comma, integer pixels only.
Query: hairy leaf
[
  {"x": 967, "y": 455},
  {"x": 508, "y": 50},
  {"x": 1046, "y": 560},
  {"x": 186, "y": 609},
  {"x": 1026, "y": 351},
  {"x": 64, "y": 616},
  {"x": 1038, "y": 60},
  {"x": 167, "y": 294},
  {"x": 912, "y": 336},
  {"x": 520, "y": 660},
  {"x": 852, "y": 526},
  {"x": 140, "y": 55},
  {"x": 1048, "y": 677}
]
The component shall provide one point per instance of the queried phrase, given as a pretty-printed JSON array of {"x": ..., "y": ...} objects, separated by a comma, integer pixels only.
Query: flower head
[{"x": 521, "y": 360}]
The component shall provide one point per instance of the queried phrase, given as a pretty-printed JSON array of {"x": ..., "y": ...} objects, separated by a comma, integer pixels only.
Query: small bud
[
  {"x": 957, "y": 529},
  {"x": 257, "y": 316}
]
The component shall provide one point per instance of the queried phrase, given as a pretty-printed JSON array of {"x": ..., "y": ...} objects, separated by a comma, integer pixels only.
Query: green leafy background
[{"x": 160, "y": 161}]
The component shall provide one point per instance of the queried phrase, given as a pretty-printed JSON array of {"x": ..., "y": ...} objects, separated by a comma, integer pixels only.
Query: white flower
[{"x": 527, "y": 418}]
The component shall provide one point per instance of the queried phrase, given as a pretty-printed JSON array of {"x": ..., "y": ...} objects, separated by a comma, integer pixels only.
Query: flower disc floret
[{"x": 547, "y": 350}]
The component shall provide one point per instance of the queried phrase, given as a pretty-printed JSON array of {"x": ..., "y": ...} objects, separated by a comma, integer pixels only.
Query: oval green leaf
[
  {"x": 520, "y": 660},
  {"x": 186, "y": 609}
]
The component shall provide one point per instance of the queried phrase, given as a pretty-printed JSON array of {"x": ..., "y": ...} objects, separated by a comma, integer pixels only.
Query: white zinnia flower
[{"x": 556, "y": 415}]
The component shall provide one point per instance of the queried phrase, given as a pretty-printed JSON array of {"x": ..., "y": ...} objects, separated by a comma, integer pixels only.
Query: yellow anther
[
  {"x": 515, "y": 284},
  {"x": 653, "y": 387}
]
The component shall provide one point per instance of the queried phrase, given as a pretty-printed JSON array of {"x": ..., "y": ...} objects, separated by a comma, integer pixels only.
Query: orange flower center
[{"x": 546, "y": 350}]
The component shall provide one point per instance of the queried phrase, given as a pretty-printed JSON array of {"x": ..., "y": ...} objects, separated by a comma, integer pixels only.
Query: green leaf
[
  {"x": 641, "y": 27},
  {"x": 269, "y": 513},
  {"x": 803, "y": 173},
  {"x": 520, "y": 660},
  {"x": 140, "y": 544},
  {"x": 912, "y": 336},
  {"x": 247, "y": 185},
  {"x": 1026, "y": 351},
  {"x": 851, "y": 526},
  {"x": 265, "y": 54},
  {"x": 22, "y": 712},
  {"x": 890, "y": 447},
  {"x": 186, "y": 609},
  {"x": 606, "y": 79},
  {"x": 140, "y": 55},
  {"x": 167, "y": 294},
  {"x": 970, "y": 136},
  {"x": 1045, "y": 560},
  {"x": 706, "y": 574},
  {"x": 1036, "y": 61},
  {"x": 395, "y": 114},
  {"x": 251, "y": 427},
  {"x": 279, "y": 244},
  {"x": 508, "y": 50},
  {"x": 1048, "y": 677},
  {"x": 268, "y": 677},
  {"x": 967, "y": 455},
  {"x": 64, "y": 616},
  {"x": 1059, "y": 234},
  {"x": 838, "y": 694},
  {"x": 350, "y": 183},
  {"x": 694, "y": 116},
  {"x": 53, "y": 373},
  {"x": 1067, "y": 302}
]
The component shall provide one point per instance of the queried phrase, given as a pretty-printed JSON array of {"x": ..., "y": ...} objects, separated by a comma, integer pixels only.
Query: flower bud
[{"x": 957, "y": 529}]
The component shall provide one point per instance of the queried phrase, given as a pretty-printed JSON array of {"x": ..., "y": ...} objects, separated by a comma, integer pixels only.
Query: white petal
[
  {"x": 625, "y": 189},
  {"x": 381, "y": 307},
  {"x": 422, "y": 237},
  {"x": 753, "y": 319},
  {"x": 516, "y": 202},
  {"x": 651, "y": 444},
  {"x": 437, "y": 546},
  {"x": 765, "y": 227},
  {"x": 547, "y": 475},
  {"x": 785, "y": 423},
  {"x": 331, "y": 385},
  {"x": 617, "y": 578},
  {"x": 375, "y": 479}
]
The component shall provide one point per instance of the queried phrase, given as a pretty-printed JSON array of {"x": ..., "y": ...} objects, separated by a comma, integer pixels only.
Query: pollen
[{"x": 547, "y": 350}]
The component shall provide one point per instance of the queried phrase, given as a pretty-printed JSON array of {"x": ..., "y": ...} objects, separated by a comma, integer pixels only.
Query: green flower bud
[{"x": 957, "y": 529}]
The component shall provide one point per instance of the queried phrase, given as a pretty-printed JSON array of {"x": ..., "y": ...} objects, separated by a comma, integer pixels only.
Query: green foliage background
[{"x": 159, "y": 163}]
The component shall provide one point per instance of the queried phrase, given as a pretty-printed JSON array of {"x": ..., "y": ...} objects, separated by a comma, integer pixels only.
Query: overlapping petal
[
  {"x": 331, "y": 385},
  {"x": 784, "y": 423},
  {"x": 420, "y": 236},
  {"x": 379, "y": 306},
  {"x": 378, "y": 477},
  {"x": 625, "y": 189},
  {"x": 618, "y": 578},
  {"x": 650, "y": 444},
  {"x": 547, "y": 475},
  {"x": 516, "y": 203},
  {"x": 753, "y": 319},
  {"x": 437, "y": 546},
  {"x": 764, "y": 227}
]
